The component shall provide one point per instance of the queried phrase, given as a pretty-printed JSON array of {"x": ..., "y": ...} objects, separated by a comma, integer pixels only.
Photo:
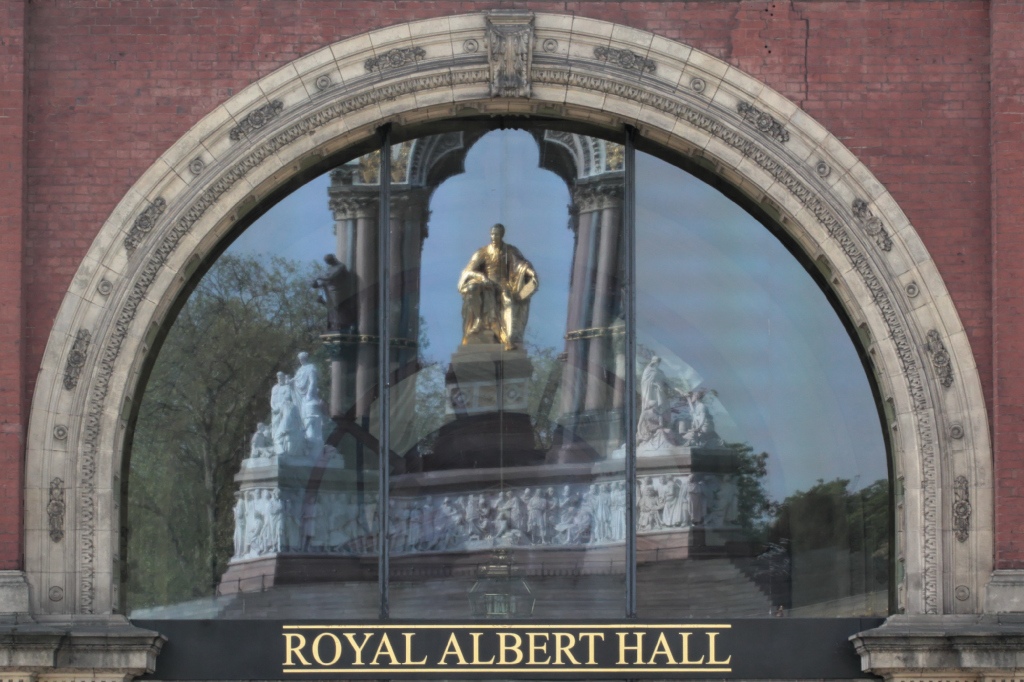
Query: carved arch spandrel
[{"x": 580, "y": 70}]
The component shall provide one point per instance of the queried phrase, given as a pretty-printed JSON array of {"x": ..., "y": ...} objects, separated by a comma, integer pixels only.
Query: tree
[{"x": 247, "y": 319}]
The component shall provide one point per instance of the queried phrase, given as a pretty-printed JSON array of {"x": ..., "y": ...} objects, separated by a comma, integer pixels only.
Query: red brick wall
[
  {"x": 904, "y": 84},
  {"x": 1008, "y": 254},
  {"x": 13, "y": 398}
]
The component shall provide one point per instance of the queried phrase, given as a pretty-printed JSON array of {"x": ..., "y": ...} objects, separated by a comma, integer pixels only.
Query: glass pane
[
  {"x": 507, "y": 376},
  {"x": 253, "y": 476},
  {"x": 762, "y": 468}
]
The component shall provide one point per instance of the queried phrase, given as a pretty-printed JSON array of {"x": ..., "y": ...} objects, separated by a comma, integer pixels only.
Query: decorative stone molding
[
  {"x": 256, "y": 120},
  {"x": 13, "y": 594},
  {"x": 595, "y": 196},
  {"x": 764, "y": 122},
  {"x": 55, "y": 509},
  {"x": 627, "y": 59},
  {"x": 703, "y": 124},
  {"x": 869, "y": 223},
  {"x": 76, "y": 359},
  {"x": 961, "y": 509},
  {"x": 940, "y": 358},
  {"x": 393, "y": 59},
  {"x": 943, "y": 648},
  {"x": 144, "y": 224},
  {"x": 510, "y": 53},
  {"x": 97, "y": 650}
]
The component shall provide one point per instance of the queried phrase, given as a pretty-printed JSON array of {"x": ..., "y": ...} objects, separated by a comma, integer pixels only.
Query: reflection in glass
[
  {"x": 253, "y": 482},
  {"x": 502, "y": 503},
  {"x": 762, "y": 481}
]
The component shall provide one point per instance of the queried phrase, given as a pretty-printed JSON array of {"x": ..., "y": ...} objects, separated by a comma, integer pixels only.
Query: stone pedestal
[
  {"x": 487, "y": 420},
  {"x": 301, "y": 521}
]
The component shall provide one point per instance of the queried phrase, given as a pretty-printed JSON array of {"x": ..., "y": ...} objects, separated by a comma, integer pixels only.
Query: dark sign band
[{"x": 735, "y": 649}]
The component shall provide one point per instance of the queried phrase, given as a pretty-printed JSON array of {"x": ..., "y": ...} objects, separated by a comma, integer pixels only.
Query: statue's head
[
  {"x": 497, "y": 234},
  {"x": 331, "y": 259},
  {"x": 282, "y": 378},
  {"x": 303, "y": 357}
]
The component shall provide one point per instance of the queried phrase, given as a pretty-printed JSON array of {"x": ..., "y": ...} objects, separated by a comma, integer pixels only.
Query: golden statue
[{"x": 496, "y": 288}]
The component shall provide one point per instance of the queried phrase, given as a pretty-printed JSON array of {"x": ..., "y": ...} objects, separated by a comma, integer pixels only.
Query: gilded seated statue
[{"x": 496, "y": 287}]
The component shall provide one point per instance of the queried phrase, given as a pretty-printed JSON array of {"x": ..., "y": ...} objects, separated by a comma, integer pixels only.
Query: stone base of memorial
[
  {"x": 487, "y": 423},
  {"x": 299, "y": 524}
]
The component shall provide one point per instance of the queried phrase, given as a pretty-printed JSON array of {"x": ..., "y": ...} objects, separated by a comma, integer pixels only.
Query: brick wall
[
  {"x": 904, "y": 84},
  {"x": 13, "y": 398},
  {"x": 1008, "y": 255}
]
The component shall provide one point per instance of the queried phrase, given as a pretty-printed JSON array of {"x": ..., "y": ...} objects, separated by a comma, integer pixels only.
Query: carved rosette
[
  {"x": 76, "y": 359},
  {"x": 961, "y": 509},
  {"x": 144, "y": 224},
  {"x": 55, "y": 510},
  {"x": 626, "y": 59},
  {"x": 395, "y": 58},
  {"x": 764, "y": 122},
  {"x": 255, "y": 120},
  {"x": 871, "y": 224},
  {"x": 940, "y": 358},
  {"x": 510, "y": 54}
]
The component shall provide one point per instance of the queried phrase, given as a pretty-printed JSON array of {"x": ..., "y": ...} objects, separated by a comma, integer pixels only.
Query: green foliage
[
  {"x": 754, "y": 507},
  {"x": 246, "y": 320}
]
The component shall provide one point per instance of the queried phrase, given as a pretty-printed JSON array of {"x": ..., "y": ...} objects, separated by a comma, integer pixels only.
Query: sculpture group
[
  {"x": 296, "y": 417},
  {"x": 669, "y": 417}
]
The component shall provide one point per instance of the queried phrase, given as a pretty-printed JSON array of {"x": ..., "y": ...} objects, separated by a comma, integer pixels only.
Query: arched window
[{"x": 608, "y": 390}]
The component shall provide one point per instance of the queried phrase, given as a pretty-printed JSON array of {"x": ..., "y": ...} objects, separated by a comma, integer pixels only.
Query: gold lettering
[
  {"x": 686, "y": 650},
  {"x": 408, "y": 651},
  {"x": 385, "y": 648},
  {"x": 337, "y": 648},
  {"x": 504, "y": 648},
  {"x": 532, "y": 636},
  {"x": 358, "y": 648},
  {"x": 452, "y": 649},
  {"x": 561, "y": 648},
  {"x": 661, "y": 649},
  {"x": 711, "y": 651},
  {"x": 296, "y": 649},
  {"x": 591, "y": 636},
  {"x": 636, "y": 649},
  {"x": 476, "y": 650}
]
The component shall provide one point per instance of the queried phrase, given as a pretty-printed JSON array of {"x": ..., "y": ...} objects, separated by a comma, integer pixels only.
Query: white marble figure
[
  {"x": 537, "y": 517},
  {"x": 649, "y": 513},
  {"x": 313, "y": 427},
  {"x": 309, "y": 514},
  {"x": 305, "y": 383},
  {"x": 653, "y": 429},
  {"x": 239, "y": 525},
  {"x": 262, "y": 443},
  {"x": 254, "y": 521},
  {"x": 696, "y": 501},
  {"x": 275, "y": 512},
  {"x": 702, "y": 425},
  {"x": 673, "y": 502}
]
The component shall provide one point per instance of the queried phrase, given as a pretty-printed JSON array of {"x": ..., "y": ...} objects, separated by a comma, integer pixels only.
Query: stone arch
[{"x": 575, "y": 69}]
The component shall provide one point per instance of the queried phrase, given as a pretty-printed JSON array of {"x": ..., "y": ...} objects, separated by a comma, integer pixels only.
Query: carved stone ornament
[
  {"x": 255, "y": 120},
  {"x": 143, "y": 224},
  {"x": 626, "y": 59},
  {"x": 940, "y": 358},
  {"x": 871, "y": 224},
  {"x": 510, "y": 54},
  {"x": 764, "y": 122},
  {"x": 392, "y": 59},
  {"x": 55, "y": 510},
  {"x": 594, "y": 196},
  {"x": 76, "y": 359},
  {"x": 961, "y": 509}
]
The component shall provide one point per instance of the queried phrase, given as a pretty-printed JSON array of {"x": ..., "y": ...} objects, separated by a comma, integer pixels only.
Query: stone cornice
[{"x": 109, "y": 648}]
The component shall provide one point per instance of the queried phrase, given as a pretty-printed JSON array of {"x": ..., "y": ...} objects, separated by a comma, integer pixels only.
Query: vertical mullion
[
  {"x": 629, "y": 244},
  {"x": 383, "y": 368}
]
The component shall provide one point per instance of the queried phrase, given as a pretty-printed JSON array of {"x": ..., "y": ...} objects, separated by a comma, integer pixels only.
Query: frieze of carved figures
[{"x": 574, "y": 515}]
